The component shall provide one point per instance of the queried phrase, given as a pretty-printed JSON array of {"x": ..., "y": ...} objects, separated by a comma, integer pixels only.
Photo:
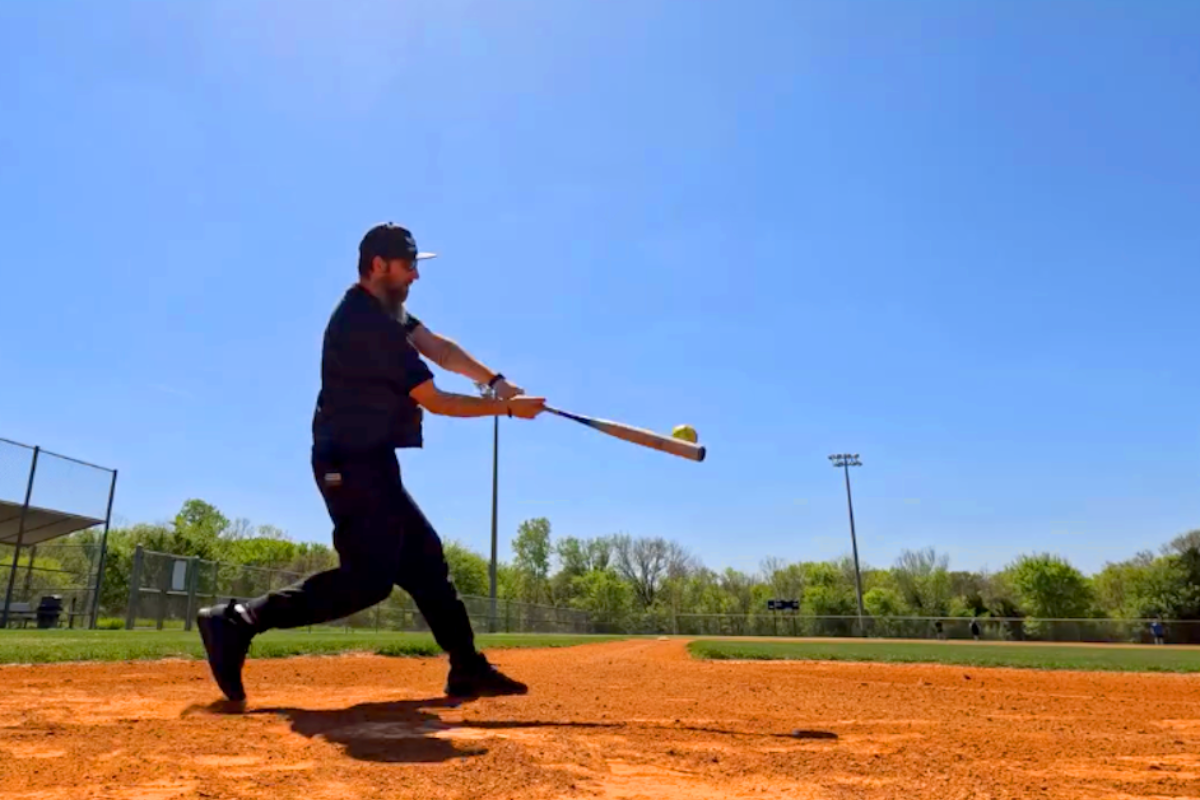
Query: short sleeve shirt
[{"x": 368, "y": 368}]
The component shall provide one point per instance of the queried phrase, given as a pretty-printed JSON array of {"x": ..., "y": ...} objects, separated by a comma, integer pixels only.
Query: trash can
[{"x": 49, "y": 610}]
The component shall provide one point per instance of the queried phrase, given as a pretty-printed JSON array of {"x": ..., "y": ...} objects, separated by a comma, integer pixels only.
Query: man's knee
[
  {"x": 428, "y": 579},
  {"x": 372, "y": 582}
]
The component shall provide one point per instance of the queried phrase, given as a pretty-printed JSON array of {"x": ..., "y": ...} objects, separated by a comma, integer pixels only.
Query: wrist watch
[{"x": 492, "y": 385}]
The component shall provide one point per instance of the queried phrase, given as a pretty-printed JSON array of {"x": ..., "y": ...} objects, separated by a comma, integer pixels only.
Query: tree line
[{"x": 648, "y": 583}]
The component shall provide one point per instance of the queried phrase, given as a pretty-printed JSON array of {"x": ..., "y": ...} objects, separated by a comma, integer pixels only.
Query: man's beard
[{"x": 395, "y": 297}]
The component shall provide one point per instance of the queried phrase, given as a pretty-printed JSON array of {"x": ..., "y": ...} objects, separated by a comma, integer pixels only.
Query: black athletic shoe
[
  {"x": 226, "y": 637},
  {"x": 478, "y": 678}
]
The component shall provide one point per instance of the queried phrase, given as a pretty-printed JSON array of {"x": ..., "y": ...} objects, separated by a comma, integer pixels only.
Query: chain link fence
[
  {"x": 64, "y": 571},
  {"x": 1013, "y": 629},
  {"x": 45, "y": 496},
  {"x": 166, "y": 591}
]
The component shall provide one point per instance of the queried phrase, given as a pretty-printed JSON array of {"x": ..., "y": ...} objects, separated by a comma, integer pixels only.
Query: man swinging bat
[{"x": 374, "y": 385}]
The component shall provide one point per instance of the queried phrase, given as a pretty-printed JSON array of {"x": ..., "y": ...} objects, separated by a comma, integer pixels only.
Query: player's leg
[
  {"x": 360, "y": 501},
  {"x": 425, "y": 575}
]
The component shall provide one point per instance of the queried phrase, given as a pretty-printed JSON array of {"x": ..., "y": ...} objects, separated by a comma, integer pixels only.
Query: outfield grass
[
  {"x": 1031, "y": 656},
  {"x": 47, "y": 646}
]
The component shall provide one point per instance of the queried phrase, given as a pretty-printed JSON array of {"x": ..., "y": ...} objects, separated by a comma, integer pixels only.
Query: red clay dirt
[{"x": 634, "y": 719}]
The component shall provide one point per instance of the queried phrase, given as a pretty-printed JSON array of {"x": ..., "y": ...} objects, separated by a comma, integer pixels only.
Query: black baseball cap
[{"x": 388, "y": 240}]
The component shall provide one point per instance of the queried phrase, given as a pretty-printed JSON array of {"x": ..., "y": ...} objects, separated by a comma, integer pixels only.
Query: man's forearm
[
  {"x": 449, "y": 404},
  {"x": 460, "y": 361},
  {"x": 456, "y": 359}
]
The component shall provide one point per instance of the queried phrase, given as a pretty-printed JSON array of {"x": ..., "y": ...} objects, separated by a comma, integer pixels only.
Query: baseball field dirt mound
[{"x": 632, "y": 719}]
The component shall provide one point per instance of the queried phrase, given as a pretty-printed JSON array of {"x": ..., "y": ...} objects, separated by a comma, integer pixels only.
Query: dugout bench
[{"x": 46, "y": 615}]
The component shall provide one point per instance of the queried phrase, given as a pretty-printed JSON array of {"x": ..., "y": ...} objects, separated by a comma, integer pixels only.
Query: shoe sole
[
  {"x": 204, "y": 623},
  {"x": 460, "y": 695}
]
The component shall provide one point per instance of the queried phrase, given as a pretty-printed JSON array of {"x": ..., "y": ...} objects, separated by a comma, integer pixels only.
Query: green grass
[
  {"x": 1031, "y": 656},
  {"x": 48, "y": 646}
]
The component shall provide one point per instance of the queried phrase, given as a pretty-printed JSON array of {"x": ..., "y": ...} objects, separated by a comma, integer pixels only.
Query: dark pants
[{"x": 382, "y": 539}]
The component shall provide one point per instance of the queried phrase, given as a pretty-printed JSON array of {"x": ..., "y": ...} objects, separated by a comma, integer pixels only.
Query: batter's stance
[{"x": 373, "y": 387}]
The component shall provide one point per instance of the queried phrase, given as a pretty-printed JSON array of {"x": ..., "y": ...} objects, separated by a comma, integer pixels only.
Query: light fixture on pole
[{"x": 845, "y": 461}]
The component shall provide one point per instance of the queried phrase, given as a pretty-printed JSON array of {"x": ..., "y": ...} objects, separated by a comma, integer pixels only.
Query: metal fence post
[
  {"x": 112, "y": 490},
  {"x": 193, "y": 580},
  {"x": 28, "y": 589},
  {"x": 135, "y": 583},
  {"x": 12, "y": 574},
  {"x": 164, "y": 586}
]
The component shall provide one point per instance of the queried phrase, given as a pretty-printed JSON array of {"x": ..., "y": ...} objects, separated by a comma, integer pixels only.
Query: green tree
[
  {"x": 738, "y": 588},
  {"x": 826, "y": 591},
  {"x": 605, "y": 596},
  {"x": 701, "y": 593},
  {"x": 1140, "y": 588},
  {"x": 882, "y": 602},
  {"x": 577, "y": 557},
  {"x": 198, "y": 528},
  {"x": 786, "y": 581},
  {"x": 508, "y": 582},
  {"x": 923, "y": 580},
  {"x": 967, "y": 590},
  {"x": 312, "y": 557},
  {"x": 531, "y": 558},
  {"x": 468, "y": 570},
  {"x": 1048, "y": 587},
  {"x": 266, "y": 553},
  {"x": 1120, "y": 589},
  {"x": 642, "y": 564},
  {"x": 1183, "y": 543}
]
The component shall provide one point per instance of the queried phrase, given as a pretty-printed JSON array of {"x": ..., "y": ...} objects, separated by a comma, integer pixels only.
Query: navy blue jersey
[{"x": 368, "y": 368}]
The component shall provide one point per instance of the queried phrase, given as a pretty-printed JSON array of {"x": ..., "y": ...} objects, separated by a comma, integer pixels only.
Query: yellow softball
[{"x": 685, "y": 432}]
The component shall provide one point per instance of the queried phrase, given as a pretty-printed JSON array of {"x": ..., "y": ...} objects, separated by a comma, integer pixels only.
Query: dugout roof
[{"x": 41, "y": 524}]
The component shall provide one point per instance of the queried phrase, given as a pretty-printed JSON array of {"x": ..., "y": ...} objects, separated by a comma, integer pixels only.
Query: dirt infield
[{"x": 634, "y": 719}]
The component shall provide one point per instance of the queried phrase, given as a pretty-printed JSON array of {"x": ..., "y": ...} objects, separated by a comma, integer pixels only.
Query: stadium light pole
[
  {"x": 488, "y": 391},
  {"x": 845, "y": 461},
  {"x": 495, "y": 505}
]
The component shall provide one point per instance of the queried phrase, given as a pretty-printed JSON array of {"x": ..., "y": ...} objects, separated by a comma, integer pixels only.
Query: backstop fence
[
  {"x": 166, "y": 591},
  {"x": 45, "y": 496}
]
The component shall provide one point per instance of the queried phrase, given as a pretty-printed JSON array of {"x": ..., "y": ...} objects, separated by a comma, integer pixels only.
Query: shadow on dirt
[
  {"x": 405, "y": 731},
  {"x": 396, "y": 732},
  {"x": 502, "y": 724}
]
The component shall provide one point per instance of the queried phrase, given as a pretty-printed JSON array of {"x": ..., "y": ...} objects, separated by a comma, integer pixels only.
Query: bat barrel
[{"x": 640, "y": 436}]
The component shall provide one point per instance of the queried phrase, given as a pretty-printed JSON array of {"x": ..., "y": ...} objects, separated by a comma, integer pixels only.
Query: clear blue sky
[{"x": 960, "y": 239}]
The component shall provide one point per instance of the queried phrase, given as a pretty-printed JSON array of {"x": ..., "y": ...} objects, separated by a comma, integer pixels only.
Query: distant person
[
  {"x": 1156, "y": 628},
  {"x": 939, "y": 630},
  {"x": 374, "y": 385},
  {"x": 975, "y": 632}
]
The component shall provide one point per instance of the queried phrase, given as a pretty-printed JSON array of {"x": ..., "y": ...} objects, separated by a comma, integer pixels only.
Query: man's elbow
[
  {"x": 429, "y": 397},
  {"x": 435, "y": 401},
  {"x": 445, "y": 354},
  {"x": 436, "y": 348}
]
